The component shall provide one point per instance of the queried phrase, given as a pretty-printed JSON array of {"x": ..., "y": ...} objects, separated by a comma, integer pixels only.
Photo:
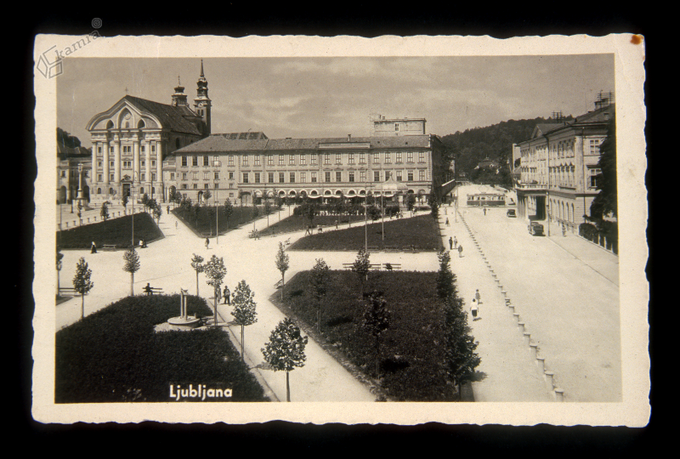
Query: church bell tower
[{"x": 202, "y": 103}]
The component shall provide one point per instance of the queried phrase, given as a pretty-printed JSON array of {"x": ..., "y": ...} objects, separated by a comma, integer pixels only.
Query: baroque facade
[
  {"x": 558, "y": 169},
  {"x": 131, "y": 140}
]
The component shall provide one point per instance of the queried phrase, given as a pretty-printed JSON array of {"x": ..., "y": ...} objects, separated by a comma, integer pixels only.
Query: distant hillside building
[
  {"x": 558, "y": 170},
  {"x": 397, "y": 126},
  {"x": 131, "y": 140}
]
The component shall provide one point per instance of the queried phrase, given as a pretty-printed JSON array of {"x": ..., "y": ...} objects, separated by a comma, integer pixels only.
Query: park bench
[
  {"x": 372, "y": 266},
  {"x": 392, "y": 266},
  {"x": 153, "y": 291},
  {"x": 108, "y": 247},
  {"x": 67, "y": 290}
]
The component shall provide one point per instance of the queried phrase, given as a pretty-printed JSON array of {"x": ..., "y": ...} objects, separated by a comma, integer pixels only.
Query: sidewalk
[{"x": 508, "y": 372}]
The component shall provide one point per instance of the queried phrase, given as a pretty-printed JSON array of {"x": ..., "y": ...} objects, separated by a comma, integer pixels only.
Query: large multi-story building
[
  {"x": 144, "y": 147},
  {"x": 243, "y": 167},
  {"x": 558, "y": 168},
  {"x": 131, "y": 140}
]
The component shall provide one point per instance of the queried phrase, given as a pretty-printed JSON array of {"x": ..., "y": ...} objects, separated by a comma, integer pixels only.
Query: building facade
[
  {"x": 131, "y": 140},
  {"x": 558, "y": 168},
  {"x": 73, "y": 170},
  {"x": 245, "y": 167}
]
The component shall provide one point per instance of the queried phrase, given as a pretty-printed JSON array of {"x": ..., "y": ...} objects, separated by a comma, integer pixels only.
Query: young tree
[
  {"x": 197, "y": 264},
  {"x": 361, "y": 266},
  {"x": 282, "y": 264},
  {"x": 285, "y": 350},
  {"x": 131, "y": 266},
  {"x": 244, "y": 309},
  {"x": 317, "y": 282},
  {"x": 445, "y": 276},
  {"x": 215, "y": 271},
  {"x": 606, "y": 200},
  {"x": 104, "y": 213},
  {"x": 228, "y": 210},
  {"x": 376, "y": 320},
  {"x": 82, "y": 283}
]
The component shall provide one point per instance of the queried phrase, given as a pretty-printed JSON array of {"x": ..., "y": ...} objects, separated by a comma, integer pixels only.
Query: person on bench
[{"x": 148, "y": 289}]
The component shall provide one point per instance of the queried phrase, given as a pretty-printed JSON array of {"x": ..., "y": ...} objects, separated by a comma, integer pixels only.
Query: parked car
[
  {"x": 535, "y": 229},
  {"x": 511, "y": 213}
]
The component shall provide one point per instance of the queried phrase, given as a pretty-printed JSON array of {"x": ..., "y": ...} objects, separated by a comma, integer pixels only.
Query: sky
[{"x": 336, "y": 96}]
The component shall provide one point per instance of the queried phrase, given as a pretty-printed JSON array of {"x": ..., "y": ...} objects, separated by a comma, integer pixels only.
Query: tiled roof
[
  {"x": 225, "y": 143},
  {"x": 174, "y": 118}
]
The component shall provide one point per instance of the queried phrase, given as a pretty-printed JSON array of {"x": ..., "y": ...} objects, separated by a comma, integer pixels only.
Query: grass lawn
[
  {"x": 419, "y": 233},
  {"x": 204, "y": 220},
  {"x": 412, "y": 348},
  {"x": 114, "y": 355},
  {"x": 299, "y": 222},
  {"x": 117, "y": 231}
]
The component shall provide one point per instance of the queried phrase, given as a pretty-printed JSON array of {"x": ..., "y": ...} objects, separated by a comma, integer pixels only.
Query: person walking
[
  {"x": 207, "y": 242},
  {"x": 478, "y": 297},
  {"x": 455, "y": 242},
  {"x": 474, "y": 310},
  {"x": 450, "y": 243},
  {"x": 460, "y": 251},
  {"x": 93, "y": 248},
  {"x": 227, "y": 295}
]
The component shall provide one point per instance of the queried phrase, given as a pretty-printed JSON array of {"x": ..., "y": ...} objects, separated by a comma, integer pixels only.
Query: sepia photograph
[{"x": 246, "y": 229}]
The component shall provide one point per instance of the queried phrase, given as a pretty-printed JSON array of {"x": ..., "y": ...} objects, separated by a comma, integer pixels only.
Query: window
[
  {"x": 281, "y": 160},
  {"x": 216, "y": 176},
  {"x": 230, "y": 160},
  {"x": 231, "y": 176},
  {"x": 421, "y": 175},
  {"x": 206, "y": 186},
  {"x": 388, "y": 158},
  {"x": 270, "y": 177},
  {"x": 313, "y": 176},
  {"x": 127, "y": 164},
  {"x": 312, "y": 159},
  {"x": 398, "y": 161},
  {"x": 303, "y": 159},
  {"x": 206, "y": 175},
  {"x": 409, "y": 176},
  {"x": 376, "y": 176},
  {"x": 327, "y": 158},
  {"x": 153, "y": 163},
  {"x": 362, "y": 176},
  {"x": 153, "y": 176},
  {"x": 421, "y": 157},
  {"x": 328, "y": 176},
  {"x": 338, "y": 176},
  {"x": 362, "y": 158},
  {"x": 244, "y": 160},
  {"x": 351, "y": 176},
  {"x": 257, "y": 160},
  {"x": 376, "y": 158},
  {"x": 303, "y": 177},
  {"x": 184, "y": 161},
  {"x": 291, "y": 159},
  {"x": 350, "y": 158},
  {"x": 184, "y": 175},
  {"x": 245, "y": 177},
  {"x": 195, "y": 161},
  {"x": 292, "y": 177},
  {"x": 396, "y": 127},
  {"x": 338, "y": 158},
  {"x": 206, "y": 160},
  {"x": 172, "y": 176},
  {"x": 282, "y": 177},
  {"x": 257, "y": 177},
  {"x": 398, "y": 176},
  {"x": 142, "y": 176},
  {"x": 194, "y": 175},
  {"x": 594, "y": 173},
  {"x": 270, "y": 160}
]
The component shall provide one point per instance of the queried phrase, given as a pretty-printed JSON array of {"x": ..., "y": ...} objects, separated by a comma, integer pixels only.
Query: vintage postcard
[{"x": 297, "y": 228}]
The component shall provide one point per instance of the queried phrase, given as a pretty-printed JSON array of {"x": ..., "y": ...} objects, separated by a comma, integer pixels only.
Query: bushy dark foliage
[
  {"x": 114, "y": 355},
  {"x": 419, "y": 233},
  {"x": 117, "y": 231},
  {"x": 412, "y": 348}
]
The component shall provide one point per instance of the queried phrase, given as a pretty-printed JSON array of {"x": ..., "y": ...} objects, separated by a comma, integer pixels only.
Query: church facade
[{"x": 131, "y": 140}]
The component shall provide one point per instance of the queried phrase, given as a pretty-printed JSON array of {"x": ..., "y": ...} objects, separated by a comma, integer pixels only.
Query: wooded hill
[{"x": 473, "y": 146}]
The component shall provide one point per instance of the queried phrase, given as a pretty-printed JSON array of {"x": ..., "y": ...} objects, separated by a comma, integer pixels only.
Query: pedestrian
[
  {"x": 460, "y": 251},
  {"x": 455, "y": 242},
  {"x": 478, "y": 297},
  {"x": 93, "y": 248},
  {"x": 227, "y": 299},
  {"x": 218, "y": 294},
  {"x": 207, "y": 242},
  {"x": 485, "y": 211},
  {"x": 450, "y": 243},
  {"x": 474, "y": 309},
  {"x": 447, "y": 222}
]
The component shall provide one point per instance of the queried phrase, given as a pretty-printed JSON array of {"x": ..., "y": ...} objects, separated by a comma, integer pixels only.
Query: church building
[{"x": 131, "y": 139}]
